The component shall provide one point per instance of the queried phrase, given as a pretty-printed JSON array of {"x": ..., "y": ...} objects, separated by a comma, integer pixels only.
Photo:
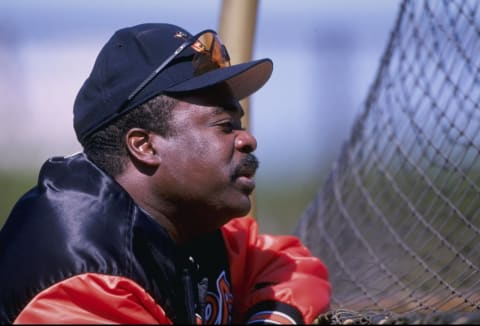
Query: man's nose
[{"x": 245, "y": 142}]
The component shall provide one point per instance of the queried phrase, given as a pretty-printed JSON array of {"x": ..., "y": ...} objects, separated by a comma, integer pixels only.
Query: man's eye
[
  {"x": 230, "y": 126},
  {"x": 227, "y": 126}
]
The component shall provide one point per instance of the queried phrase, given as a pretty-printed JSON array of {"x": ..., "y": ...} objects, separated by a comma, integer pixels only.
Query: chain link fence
[{"x": 398, "y": 220}]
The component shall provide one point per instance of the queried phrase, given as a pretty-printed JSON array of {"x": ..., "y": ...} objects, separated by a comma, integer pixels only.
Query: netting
[{"x": 398, "y": 220}]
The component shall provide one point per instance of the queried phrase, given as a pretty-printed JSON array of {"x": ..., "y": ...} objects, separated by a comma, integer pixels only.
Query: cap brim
[{"x": 243, "y": 79}]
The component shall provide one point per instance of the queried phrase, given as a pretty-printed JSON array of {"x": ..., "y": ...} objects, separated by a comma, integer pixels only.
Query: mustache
[{"x": 247, "y": 166}]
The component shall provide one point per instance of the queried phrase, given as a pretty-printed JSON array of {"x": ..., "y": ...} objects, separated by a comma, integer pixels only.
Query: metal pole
[{"x": 237, "y": 30}]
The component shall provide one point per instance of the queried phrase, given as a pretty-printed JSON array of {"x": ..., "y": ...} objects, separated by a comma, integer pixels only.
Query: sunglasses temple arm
[{"x": 157, "y": 71}]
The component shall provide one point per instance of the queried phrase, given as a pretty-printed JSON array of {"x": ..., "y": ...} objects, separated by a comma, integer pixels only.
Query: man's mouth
[
  {"x": 247, "y": 167},
  {"x": 245, "y": 171}
]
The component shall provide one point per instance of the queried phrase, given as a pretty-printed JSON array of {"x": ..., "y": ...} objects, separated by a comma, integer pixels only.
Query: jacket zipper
[{"x": 189, "y": 295}]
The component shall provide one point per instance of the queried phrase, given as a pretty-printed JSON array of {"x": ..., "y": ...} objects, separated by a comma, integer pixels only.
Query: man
[{"x": 145, "y": 226}]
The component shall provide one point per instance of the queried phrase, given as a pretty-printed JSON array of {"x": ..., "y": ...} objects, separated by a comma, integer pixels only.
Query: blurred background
[{"x": 325, "y": 54}]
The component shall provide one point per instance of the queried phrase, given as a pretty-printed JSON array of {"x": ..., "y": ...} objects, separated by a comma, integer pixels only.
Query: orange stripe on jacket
[
  {"x": 272, "y": 316},
  {"x": 93, "y": 299}
]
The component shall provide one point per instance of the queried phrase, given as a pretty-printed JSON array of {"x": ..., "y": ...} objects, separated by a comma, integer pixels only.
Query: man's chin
[
  {"x": 245, "y": 184},
  {"x": 241, "y": 209}
]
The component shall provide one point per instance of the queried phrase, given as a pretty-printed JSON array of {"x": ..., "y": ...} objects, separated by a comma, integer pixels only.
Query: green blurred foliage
[
  {"x": 278, "y": 209},
  {"x": 14, "y": 184}
]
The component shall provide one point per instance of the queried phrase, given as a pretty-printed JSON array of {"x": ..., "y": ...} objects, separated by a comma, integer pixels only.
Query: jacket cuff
[{"x": 272, "y": 312}]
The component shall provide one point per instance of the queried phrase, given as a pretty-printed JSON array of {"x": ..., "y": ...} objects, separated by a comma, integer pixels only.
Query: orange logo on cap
[{"x": 181, "y": 35}]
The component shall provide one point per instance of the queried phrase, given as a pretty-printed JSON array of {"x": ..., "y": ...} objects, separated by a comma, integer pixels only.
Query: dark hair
[{"x": 107, "y": 148}]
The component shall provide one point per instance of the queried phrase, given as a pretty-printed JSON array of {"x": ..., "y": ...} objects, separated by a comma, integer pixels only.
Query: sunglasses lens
[{"x": 211, "y": 54}]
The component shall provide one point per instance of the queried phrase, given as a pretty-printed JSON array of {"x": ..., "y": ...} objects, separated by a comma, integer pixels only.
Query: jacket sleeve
[
  {"x": 274, "y": 278},
  {"x": 93, "y": 299}
]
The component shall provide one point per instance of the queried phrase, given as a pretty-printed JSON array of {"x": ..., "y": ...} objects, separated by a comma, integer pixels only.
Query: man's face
[{"x": 206, "y": 167}]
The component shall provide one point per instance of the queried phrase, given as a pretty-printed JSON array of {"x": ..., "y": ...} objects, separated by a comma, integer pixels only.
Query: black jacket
[{"x": 79, "y": 220}]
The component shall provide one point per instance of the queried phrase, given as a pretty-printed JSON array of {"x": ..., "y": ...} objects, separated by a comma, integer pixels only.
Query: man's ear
[{"x": 141, "y": 147}]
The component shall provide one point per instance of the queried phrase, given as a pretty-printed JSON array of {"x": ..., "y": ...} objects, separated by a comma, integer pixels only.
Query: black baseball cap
[{"x": 140, "y": 62}]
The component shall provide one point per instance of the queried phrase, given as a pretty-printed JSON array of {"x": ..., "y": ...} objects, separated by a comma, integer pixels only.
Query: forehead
[{"x": 236, "y": 109}]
